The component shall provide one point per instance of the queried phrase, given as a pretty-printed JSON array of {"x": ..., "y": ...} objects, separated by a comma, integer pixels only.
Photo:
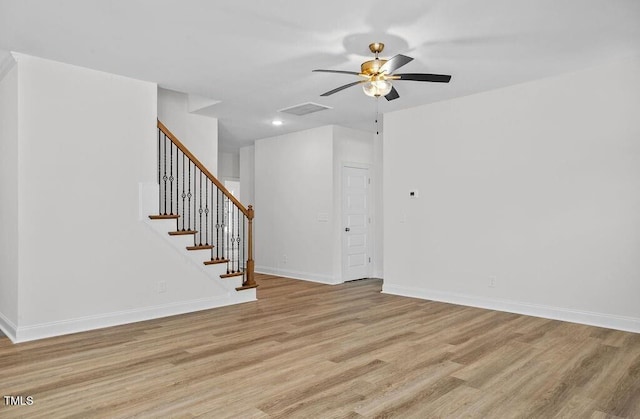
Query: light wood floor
[{"x": 313, "y": 351}]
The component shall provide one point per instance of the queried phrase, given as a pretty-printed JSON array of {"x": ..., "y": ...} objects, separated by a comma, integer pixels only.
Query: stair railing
[{"x": 204, "y": 208}]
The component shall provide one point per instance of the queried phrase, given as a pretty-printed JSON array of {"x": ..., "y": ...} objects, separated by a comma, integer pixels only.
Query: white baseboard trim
[
  {"x": 83, "y": 324},
  {"x": 609, "y": 321},
  {"x": 8, "y": 328},
  {"x": 304, "y": 276}
]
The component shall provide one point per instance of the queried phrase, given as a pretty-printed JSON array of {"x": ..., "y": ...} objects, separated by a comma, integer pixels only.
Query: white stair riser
[{"x": 148, "y": 206}]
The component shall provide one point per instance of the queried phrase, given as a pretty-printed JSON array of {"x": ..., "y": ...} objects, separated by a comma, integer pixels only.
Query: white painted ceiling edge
[{"x": 242, "y": 61}]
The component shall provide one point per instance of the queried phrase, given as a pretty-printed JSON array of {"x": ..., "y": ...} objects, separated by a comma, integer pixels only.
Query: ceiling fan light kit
[
  {"x": 378, "y": 73},
  {"x": 377, "y": 88}
]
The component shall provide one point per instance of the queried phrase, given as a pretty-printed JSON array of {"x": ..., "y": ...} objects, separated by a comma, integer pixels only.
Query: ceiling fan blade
[
  {"x": 393, "y": 94},
  {"x": 395, "y": 63},
  {"x": 337, "y": 89},
  {"x": 355, "y": 73},
  {"x": 436, "y": 78}
]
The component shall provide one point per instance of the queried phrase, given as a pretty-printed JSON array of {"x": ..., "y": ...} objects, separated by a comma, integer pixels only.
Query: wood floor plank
[
  {"x": 307, "y": 350},
  {"x": 419, "y": 390}
]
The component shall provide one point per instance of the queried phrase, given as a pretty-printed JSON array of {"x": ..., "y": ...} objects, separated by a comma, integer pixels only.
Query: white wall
[
  {"x": 352, "y": 147},
  {"x": 9, "y": 198},
  {"x": 247, "y": 175},
  {"x": 298, "y": 195},
  {"x": 197, "y": 132},
  {"x": 228, "y": 165},
  {"x": 537, "y": 185},
  {"x": 293, "y": 194},
  {"x": 87, "y": 141}
]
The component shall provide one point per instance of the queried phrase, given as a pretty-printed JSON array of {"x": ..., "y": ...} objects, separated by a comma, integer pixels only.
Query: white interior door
[{"x": 356, "y": 261}]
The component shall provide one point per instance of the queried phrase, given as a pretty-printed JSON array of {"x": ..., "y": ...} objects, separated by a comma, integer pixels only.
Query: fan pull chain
[{"x": 377, "y": 116}]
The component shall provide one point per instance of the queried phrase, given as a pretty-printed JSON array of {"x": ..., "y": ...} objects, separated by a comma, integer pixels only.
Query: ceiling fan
[{"x": 377, "y": 75}]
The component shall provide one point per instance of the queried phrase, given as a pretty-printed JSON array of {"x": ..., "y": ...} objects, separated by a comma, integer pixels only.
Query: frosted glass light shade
[{"x": 377, "y": 88}]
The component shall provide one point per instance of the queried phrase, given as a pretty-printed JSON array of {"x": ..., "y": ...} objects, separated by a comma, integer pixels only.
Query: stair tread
[
  {"x": 164, "y": 217},
  {"x": 246, "y": 287},
  {"x": 200, "y": 247},
  {"x": 229, "y": 275},
  {"x": 215, "y": 262},
  {"x": 182, "y": 232}
]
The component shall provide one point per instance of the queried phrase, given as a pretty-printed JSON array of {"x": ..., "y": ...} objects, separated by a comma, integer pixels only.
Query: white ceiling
[{"x": 256, "y": 57}]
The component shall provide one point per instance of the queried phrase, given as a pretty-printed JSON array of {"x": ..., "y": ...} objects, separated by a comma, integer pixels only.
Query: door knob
[{"x": 347, "y": 229}]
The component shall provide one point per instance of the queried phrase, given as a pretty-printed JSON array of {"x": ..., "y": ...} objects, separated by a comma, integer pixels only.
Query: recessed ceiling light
[{"x": 276, "y": 122}]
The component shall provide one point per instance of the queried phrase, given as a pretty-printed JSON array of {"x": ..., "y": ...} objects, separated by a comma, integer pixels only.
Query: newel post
[{"x": 249, "y": 279}]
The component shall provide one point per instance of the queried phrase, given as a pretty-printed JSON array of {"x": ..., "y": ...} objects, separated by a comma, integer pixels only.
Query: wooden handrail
[
  {"x": 204, "y": 170},
  {"x": 249, "y": 279}
]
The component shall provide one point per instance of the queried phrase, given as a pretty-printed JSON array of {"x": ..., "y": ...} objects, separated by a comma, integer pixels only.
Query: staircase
[{"x": 214, "y": 222}]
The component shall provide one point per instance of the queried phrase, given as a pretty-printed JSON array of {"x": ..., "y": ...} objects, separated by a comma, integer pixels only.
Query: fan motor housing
[{"x": 372, "y": 67}]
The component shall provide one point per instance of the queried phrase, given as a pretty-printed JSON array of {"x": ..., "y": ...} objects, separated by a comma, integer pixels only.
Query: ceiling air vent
[{"x": 304, "y": 109}]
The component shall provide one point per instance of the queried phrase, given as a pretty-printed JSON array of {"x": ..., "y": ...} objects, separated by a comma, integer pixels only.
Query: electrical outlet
[
  {"x": 493, "y": 281},
  {"x": 284, "y": 259},
  {"x": 162, "y": 287}
]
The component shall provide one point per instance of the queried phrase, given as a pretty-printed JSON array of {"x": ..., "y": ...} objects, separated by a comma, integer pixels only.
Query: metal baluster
[
  {"x": 164, "y": 176},
  {"x": 223, "y": 226},
  {"x": 171, "y": 178},
  {"x": 218, "y": 242},
  {"x": 238, "y": 240},
  {"x": 214, "y": 223},
  {"x": 189, "y": 199},
  {"x": 200, "y": 211},
  {"x": 244, "y": 238},
  {"x": 206, "y": 213},
  {"x": 184, "y": 194},
  {"x": 178, "y": 152},
  {"x": 159, "y": 169},
  {"x": 232, "y": 226},
  {"x": 195, "y": 198},
  {"x": 227, "y": 222},
  {"x": 236, "y": 217},
  {"x": 177, "y": 181},
  {"x": 223, "y": 214}
]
